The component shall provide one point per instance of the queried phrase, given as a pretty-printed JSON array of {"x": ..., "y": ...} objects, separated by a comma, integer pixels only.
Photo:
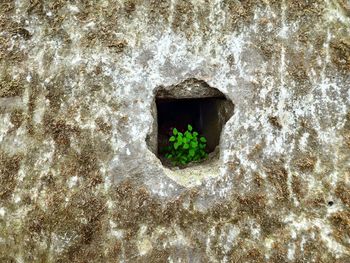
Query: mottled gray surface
[{"x": 78, "y": 183}]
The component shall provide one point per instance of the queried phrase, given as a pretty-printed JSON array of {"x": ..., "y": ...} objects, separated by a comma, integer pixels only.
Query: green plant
[{"x": 186, "y": 147}]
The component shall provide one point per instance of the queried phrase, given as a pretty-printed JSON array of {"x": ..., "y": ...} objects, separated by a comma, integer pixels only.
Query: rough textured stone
[
  {"x": 78, "y": 183},
  {"x": 190, "y": 88}
]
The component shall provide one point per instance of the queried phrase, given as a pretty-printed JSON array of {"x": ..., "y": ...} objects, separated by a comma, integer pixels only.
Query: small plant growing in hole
[{"x": 185, "y": 147}]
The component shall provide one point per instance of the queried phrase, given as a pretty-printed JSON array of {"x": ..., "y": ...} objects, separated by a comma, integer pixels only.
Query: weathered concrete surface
[
  {"x": 77, "y": 181},
  {"x": 189, "y": 88}
]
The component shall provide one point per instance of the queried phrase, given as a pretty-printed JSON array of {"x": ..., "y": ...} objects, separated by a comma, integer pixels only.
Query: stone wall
[{"x": 78, "y": 183}]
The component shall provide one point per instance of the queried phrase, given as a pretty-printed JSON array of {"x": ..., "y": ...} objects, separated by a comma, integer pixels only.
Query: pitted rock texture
[
  {"x": 190, "y": 88},
  {"x": 78, "y": 183}
]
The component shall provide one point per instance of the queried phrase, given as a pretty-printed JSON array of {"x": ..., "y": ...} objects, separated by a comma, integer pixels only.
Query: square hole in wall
[
  {"x": 202, "y": 114},
  {"x": 192, "y": 102}
]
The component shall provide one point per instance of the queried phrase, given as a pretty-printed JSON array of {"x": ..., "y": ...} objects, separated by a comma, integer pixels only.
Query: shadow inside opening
[{"x": 206, "y": 115}]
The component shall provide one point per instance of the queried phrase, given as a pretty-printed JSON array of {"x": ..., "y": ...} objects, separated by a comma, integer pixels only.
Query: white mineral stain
[
  {"x": 5, "y": 125},
  {"x": 119, "y": 234},
  {"x": 2, "y": 211},
  {"x": 302, "y": 224},
  {"x": 144, "y": 246},
  {"x": 72, "y": 181},
  {"x": 303, "y": 141},
  {"x": 73, "y": 8},
  {"x": 232, "y": 235},
  {"x": 17, "y": 199},
  {"x": 291, "y": 252}
]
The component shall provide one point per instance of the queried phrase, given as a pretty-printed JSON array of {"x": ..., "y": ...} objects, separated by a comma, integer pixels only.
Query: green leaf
[
  {"x": 186, "y": 147},
  {"x": 175, "y": 132},
  {"x": 191, "y": 152}
]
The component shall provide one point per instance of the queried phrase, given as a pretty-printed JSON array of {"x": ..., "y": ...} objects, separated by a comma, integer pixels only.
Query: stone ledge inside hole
[{"x": 194, "y": 175}]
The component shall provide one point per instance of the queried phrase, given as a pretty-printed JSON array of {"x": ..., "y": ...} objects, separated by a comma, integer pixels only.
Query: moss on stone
[
  {"x": 342, "y": 191},
  {"x": 10, "y": 87},
  {"x": 9, "y": 167},
  {"x": 341, "y": 226},
  {"x": 17, "y": 117},
  {"x": 340, "y": 52}
]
